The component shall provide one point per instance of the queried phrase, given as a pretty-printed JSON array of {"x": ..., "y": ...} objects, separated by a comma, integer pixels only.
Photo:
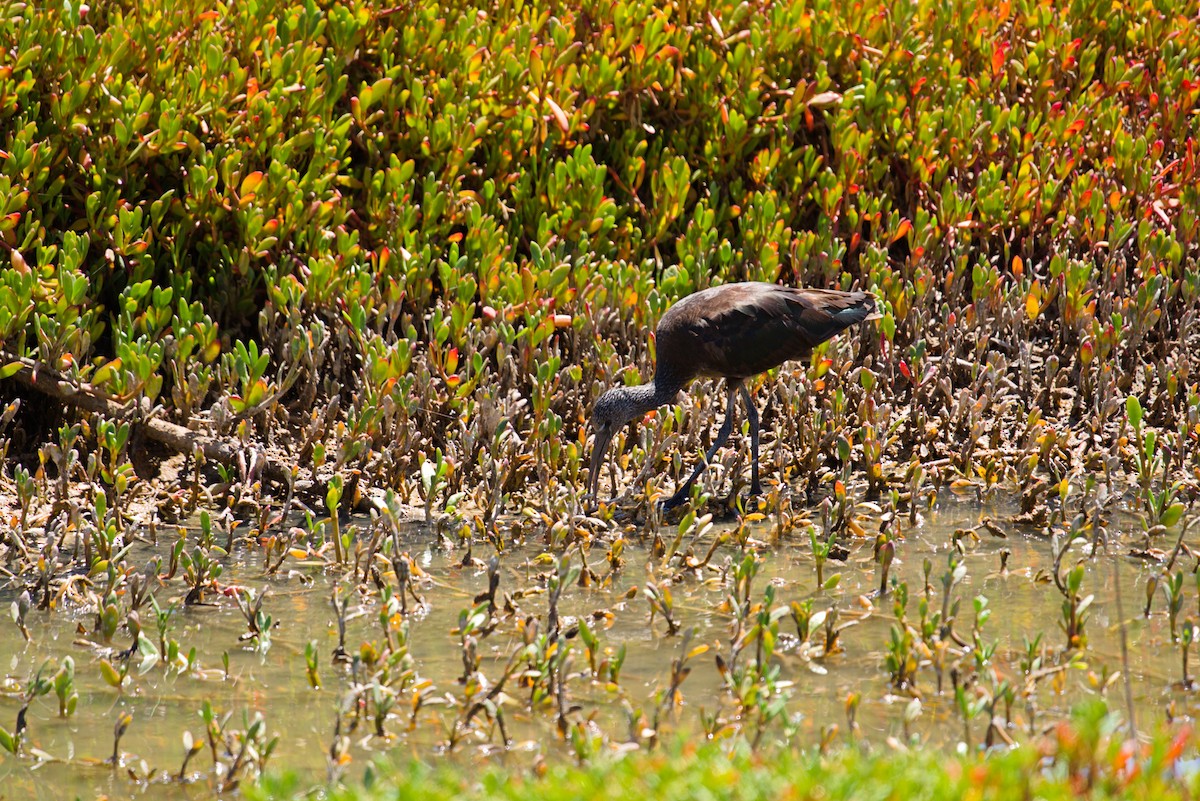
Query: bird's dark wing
[{"x": 740, "y": 330}]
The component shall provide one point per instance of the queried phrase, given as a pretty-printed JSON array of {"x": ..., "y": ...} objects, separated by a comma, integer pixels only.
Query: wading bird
[{"x": 733, "y": 331}]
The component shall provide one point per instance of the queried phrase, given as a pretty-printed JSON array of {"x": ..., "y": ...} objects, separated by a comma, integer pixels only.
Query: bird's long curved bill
[{"x": 599, "y": 450}]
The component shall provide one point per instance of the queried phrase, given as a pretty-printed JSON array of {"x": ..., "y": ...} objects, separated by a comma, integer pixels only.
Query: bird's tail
[
  {"x": 856, "y": 307},
  {"x": 829, "y": 311}
]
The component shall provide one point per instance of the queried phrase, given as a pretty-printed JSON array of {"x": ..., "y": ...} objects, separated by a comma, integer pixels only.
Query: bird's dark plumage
[
  {"x": 732, "y": 331},
  {"x": 740, "y": 330}
]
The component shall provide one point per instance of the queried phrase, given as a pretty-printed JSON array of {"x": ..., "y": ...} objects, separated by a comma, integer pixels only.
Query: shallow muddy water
[{"x": 274, "y": 683}]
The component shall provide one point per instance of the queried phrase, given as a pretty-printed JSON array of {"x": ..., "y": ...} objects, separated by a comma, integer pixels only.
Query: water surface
[{"x": 165, "y": 705}]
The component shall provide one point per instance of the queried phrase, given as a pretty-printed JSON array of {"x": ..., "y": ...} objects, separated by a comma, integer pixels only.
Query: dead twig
[{"x": 40, "y": 378}]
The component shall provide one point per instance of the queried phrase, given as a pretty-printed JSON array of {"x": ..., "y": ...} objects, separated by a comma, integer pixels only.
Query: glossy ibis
[{"x": 732, "y": 331}]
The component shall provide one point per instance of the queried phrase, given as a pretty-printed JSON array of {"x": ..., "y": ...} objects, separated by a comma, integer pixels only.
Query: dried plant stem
[{"x": 1124, "y": 650}]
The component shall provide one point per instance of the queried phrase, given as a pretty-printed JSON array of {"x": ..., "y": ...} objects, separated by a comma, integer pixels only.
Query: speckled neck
[{"x": 636, "y": 401}]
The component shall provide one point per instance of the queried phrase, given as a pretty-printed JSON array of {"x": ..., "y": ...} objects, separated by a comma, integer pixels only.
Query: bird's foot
[
  {"x": 752, "y": 504},
  {"x": 674, "y": 502},
  {"x": 756, "y": 502},
  {"x": 748, "y": 504}
]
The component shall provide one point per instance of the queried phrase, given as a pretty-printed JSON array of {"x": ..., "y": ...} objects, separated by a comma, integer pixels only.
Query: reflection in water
[{"x": 1022, "y": 602}]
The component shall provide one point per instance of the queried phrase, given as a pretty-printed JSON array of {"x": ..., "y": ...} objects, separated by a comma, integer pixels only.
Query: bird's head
[{"x": 613, "y": 409}]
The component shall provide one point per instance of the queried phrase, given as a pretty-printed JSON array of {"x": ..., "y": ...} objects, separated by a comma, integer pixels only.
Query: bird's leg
[
  {"x": 726, "y": 429},
  {"x": 752, "y": 416}
]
